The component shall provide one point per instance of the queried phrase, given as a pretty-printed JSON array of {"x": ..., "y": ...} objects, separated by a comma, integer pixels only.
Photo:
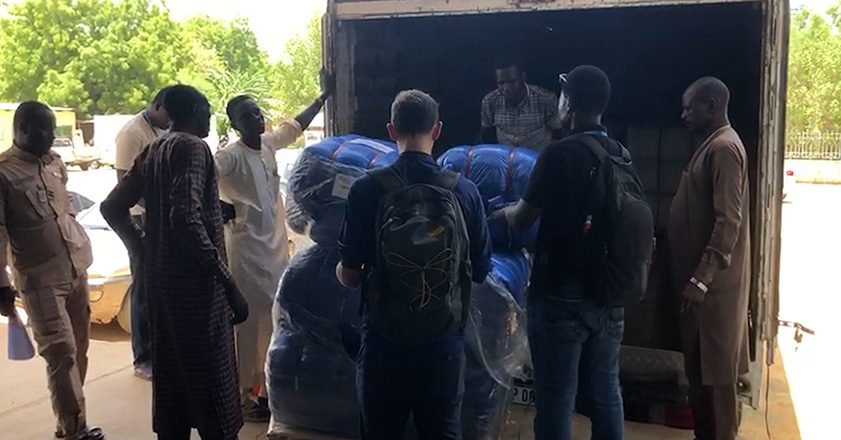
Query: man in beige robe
[{"x": 709, "y": 238}]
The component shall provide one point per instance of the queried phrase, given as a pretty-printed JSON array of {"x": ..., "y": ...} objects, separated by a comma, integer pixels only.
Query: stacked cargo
[{"x": 311, "y": 367}]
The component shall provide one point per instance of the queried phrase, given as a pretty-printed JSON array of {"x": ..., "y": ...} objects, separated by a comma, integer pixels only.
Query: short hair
[
  {"x": 161, "y": 95},
  {"x": 234, "y": 104},
  {"x": 710, "y": 87},
  {"x": 588, "y": 88},
  {"x": 413, "y": 112},
  {"x": 180, "y": 102},
  {"x": 507, "y": 60},
  {"x": 27, "y": 111}
]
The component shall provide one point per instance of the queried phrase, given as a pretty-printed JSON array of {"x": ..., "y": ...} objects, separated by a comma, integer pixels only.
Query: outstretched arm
[
  {"x": 328, "y": 86},
  {"x": 290, "y": 130},
  {"x": 116, "y": 208},
  {"x": 544, "y": 183}
]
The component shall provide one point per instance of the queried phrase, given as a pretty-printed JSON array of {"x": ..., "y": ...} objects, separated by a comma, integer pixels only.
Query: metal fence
[{"x": 814, "y": 146}]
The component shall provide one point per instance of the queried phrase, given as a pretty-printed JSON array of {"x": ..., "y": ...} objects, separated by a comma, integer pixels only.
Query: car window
[
  {"x": 61, "y": 142},
  {"x": 92, "y": 218},
  {"x": 88, "y": 214}
]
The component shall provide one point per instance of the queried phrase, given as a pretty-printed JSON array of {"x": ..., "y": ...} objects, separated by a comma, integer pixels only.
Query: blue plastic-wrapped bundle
[
  {"x": 320, "y": 180},
  {"x": 497, "y": 343},
  {"x": 311, "y": 363},
  {"x": 309, "y": 371},
  {"x": 502, "y": 174}
]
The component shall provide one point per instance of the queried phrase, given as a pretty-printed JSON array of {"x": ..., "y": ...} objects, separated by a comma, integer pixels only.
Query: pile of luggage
[{"x": 312, "y": 360}]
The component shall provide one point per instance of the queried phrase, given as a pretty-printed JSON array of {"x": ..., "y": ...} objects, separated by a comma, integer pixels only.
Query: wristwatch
[{"x": 701, "y": 286}]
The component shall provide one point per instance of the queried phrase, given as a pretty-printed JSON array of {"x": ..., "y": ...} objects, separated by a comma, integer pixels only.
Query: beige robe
[{"x": 709, "y": 237}]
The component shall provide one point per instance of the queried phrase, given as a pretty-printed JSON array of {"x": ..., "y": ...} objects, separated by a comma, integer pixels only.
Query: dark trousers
[
  {"x": 575, "y": 351},
  {"x": 715, "y": 408},
  {"x": 141, "y": 338},
  {"x": 391, "y": 387}
]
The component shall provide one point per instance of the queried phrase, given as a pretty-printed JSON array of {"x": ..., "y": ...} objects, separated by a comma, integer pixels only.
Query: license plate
[{"x": 523, "y": 395}]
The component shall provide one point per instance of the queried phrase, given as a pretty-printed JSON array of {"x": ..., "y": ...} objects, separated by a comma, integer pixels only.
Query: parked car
[
  {"x": 109, "y": 277},
  {"x": 82, "y": 156}
]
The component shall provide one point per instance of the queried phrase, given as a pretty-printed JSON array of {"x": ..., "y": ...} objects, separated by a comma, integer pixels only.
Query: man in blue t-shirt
[{"x": 395, "y": 380}]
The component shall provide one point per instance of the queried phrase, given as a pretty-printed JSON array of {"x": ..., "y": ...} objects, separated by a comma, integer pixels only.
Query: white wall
[{"x": 815, "y": 171}]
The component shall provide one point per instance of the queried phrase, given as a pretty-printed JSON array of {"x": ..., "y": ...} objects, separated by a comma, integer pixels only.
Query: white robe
[{"x": 255, "y": 240}]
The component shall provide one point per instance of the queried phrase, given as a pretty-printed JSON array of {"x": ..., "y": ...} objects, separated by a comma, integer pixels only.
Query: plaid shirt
[{"x": 528, "y": 124}]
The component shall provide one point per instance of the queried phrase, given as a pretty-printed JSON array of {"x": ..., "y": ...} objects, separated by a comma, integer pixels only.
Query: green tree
[
  {"x": 814, "y": 80},
  {"x": 233, "y": 42},
  {"x": 99, "y": 56},
  {"x": 296, "y": 77}
]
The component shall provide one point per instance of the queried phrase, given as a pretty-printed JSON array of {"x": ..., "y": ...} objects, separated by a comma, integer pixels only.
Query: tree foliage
[
  {"x": 234, "y": 43},
  {"x": 296, "y": 77},
  {"x": 98, "y": 56},
  {"x": 111, "y": 56},
  {"x": 814, "y": 81}
]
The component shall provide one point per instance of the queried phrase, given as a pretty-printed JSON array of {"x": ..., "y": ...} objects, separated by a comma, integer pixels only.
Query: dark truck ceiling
[{"x": 650, "y": 53}]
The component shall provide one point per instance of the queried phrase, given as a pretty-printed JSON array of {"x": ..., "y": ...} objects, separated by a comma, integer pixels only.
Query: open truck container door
[{"x": 652, "y": 50}]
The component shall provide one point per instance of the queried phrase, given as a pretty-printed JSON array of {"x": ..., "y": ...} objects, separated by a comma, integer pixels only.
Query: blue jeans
[
  {"x": 141, "y": 338},
  {"x": 391, "y": 387},
  {"x": 575, "y": 350}
]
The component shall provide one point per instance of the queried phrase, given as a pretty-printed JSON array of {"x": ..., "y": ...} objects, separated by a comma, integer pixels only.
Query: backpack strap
[
  {"x": 446, "y": 179},
  {"x": 388, "y": 178},
  {"x": 595, "y": 146},
  {"x": 599, "y": 150}
]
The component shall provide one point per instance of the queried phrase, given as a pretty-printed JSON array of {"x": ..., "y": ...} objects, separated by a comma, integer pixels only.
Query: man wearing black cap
[{"x": 570, "y": 329}]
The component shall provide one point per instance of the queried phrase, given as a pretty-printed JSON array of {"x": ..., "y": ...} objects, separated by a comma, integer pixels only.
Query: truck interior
[{"x": 651, "y": 55}]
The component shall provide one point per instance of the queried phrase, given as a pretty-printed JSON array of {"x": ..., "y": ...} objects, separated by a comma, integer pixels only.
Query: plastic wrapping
[
  {"x": 497, "y": 344},
  {"x": 311, "y": 363},
  {"x": 497, "y": 170},
  {"x": 310, "y": 375},
  {"x": 320, "y": 180},
  {"x": 502, "y": 174}
]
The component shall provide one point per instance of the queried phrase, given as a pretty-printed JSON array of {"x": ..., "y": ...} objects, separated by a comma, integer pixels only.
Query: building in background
[{"x": 65, "y": 123}]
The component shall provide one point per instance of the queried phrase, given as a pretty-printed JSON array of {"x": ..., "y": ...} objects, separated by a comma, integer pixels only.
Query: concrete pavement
[
  {"x": 803, "y": 385},
  {"x": 116, "y": 400}
]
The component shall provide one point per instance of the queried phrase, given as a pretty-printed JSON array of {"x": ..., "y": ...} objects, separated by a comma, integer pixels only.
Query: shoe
[
  {"x": 92, "y": 433},
  {"x": 257, "y": 412},
  {"x": 143, "y": 371}
]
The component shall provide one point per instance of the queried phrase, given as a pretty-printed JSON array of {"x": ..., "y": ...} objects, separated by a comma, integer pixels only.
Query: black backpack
[
  {"x": 617, "y": 232},
  {"x": 419, "y": 289}
]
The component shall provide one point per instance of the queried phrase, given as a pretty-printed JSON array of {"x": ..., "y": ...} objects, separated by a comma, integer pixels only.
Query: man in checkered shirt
[{"x": 519, "y": 114}]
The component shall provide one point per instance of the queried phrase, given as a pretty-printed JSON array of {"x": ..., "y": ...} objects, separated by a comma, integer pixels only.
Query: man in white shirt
[
  {"x": 131, "y": 140},
  {"x": 256, "y": 239}
]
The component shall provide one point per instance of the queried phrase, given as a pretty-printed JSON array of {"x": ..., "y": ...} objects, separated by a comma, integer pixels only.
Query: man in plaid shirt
[{"x": 519, "y": 114}]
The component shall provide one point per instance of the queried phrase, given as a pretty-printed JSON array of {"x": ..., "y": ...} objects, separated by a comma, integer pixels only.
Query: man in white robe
[{"x": 256, "y": 239}]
